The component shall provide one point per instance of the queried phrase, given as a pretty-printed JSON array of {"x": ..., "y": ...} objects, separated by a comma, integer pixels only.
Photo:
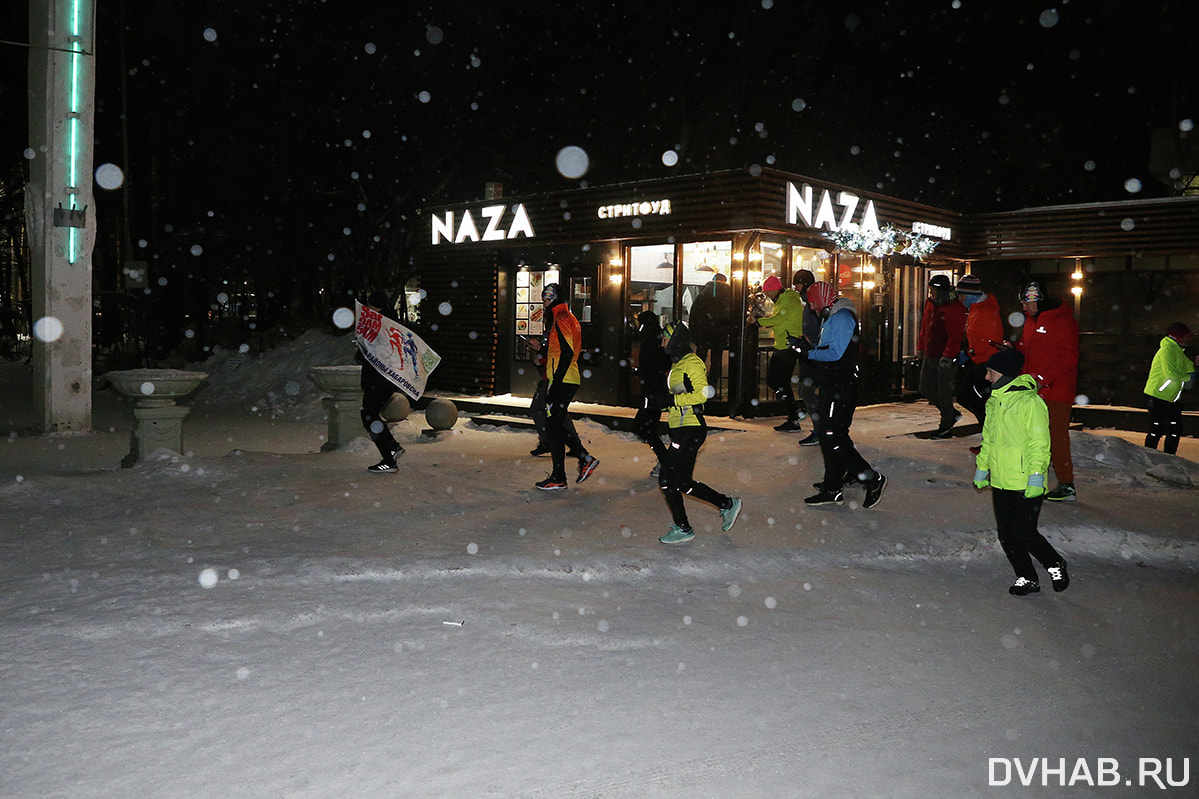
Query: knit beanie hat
[
  {"x": 970, "y": 284},
  {"x": 1178, "y": 331},
  {"x": 772, "y": 283},
  {"x": 1032, "y": 292},
  {"x": 1007, "y": 362}
]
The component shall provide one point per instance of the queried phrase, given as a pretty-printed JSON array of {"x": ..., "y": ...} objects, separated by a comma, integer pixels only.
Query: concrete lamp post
[{"x": 157, "y": 420}]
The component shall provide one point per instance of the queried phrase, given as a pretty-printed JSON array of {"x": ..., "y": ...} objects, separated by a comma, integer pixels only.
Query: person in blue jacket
[{"x": 835, "y": 358}]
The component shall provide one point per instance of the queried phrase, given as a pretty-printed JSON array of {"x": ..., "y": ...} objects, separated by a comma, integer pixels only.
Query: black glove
[{"x": 799, "y": 344}]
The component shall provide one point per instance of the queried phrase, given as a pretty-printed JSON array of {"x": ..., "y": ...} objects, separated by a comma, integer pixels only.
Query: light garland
[{"x": 883, "y": 241}]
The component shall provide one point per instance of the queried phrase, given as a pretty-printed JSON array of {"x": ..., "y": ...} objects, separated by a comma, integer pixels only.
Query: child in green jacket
[
  {"x": 1013, "y": 460},
  {"x": 1170, "y": 372}
]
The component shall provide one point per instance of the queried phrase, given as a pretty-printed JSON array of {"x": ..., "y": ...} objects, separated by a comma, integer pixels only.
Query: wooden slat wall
[
  {"x": 1146, "y": 227},
  {"x": 465, "y": 338}
]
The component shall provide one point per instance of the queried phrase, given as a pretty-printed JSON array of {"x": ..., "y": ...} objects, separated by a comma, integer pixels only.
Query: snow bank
[{"x": 274, "y": 383}]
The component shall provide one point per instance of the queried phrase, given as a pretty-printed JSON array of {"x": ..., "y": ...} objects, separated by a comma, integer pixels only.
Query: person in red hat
[
  {"x": 1170, "y": 372},
  {"x": 1049, "y": 343},
  {"x": 835, "y": 358}
]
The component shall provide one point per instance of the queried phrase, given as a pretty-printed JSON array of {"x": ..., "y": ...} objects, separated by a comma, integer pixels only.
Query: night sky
[{"x": 272, "y": 130}]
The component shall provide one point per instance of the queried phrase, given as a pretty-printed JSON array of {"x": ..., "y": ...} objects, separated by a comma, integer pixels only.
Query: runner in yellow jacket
[{"x": 688, "y": 384}]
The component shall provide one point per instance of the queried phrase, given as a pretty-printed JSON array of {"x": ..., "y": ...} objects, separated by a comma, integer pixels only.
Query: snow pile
[
  {"x": 1135, "y": 459},
  {"x": 274, "y": 383}
]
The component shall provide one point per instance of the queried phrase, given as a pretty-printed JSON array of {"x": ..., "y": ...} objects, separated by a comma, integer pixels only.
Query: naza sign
[
  {"x": 825, "y": 212},
  {"x": 491, "y": 217}
]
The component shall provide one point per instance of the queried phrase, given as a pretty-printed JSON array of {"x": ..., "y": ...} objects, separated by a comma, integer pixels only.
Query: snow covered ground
[{"x": 255, "y": 618}]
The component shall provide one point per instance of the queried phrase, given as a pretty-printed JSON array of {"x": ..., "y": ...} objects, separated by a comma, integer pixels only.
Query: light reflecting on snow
[
  {"x": 146, "y": 388},
  {"x": 472, "y": 549},
  {"x": 1132, "y": 185},
  {"x": 208, "y": 578},
  {"x": 210, "y": 34},
  {"x": 1016, "y": 319},
  {"x": 1049, "y": 18},
  {"x": 445, "y": 308},
  {"x": 670, "y": 158}
]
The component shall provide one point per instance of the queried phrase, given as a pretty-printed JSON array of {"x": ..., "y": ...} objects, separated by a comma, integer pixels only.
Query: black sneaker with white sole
[
  {"x": 1059, "y": 576},
  {"x": 825, "y": 497},
  {"x": 1023, "y": 587},
  {"x": 384, "y": 467},
  {"x": 874, "y": 490}
]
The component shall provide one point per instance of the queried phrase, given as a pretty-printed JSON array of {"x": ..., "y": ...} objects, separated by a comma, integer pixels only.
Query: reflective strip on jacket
[{"x": 1171, "y": 368}]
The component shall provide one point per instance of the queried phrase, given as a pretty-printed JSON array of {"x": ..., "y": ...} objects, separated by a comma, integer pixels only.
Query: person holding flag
[{"x": 392, "y": 357}]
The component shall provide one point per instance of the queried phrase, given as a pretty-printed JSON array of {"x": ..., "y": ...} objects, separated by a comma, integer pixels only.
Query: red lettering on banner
[{"x": 369, "y": 323}]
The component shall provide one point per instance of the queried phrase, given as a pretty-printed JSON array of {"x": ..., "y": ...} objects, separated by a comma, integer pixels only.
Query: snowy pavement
[{"x": 256, "y": 618}]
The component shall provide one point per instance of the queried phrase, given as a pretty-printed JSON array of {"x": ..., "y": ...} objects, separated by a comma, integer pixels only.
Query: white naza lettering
[
  {"x": 799, "y": 207},
  {"x": 520, "y": 223},
  {"x": 493, "y": 213},
  {"x": 444, "y": 229},
  {"x": 467, "y": 229}
]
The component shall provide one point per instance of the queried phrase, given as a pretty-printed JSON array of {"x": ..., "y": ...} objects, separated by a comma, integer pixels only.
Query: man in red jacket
[
  {"x": 1050, "y": 346},
  {"x": 941, "y": 348},
  {"x": 984, "y": 338}
]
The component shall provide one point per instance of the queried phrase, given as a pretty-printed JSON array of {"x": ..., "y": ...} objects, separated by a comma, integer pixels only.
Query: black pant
[
  {"x": 375, "y": 396},
  {"x": 675, "y": 478},
  {"x": 973, "y": 389},
  {"x": 807, "y": 390},
  {"x": 947, "y": 375},
  {"x": 1016, "y": 522},
  {"x": 558, "y": 398},
  {"x": 837, "y": 401},
  {"x": 1165, "y": 420},
  {"x": 537, "y": 410},
  {"x": 645, "y": 425},
  {"x": 779, "y": 372}
]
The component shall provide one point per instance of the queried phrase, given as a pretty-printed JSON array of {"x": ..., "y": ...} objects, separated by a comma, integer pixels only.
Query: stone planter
[
  {"x": 157, "y": 419},
  {"x": 344, "y": 402}
]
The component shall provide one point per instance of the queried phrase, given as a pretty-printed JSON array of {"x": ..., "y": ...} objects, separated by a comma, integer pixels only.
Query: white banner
[{"x": 395, "y": 351}]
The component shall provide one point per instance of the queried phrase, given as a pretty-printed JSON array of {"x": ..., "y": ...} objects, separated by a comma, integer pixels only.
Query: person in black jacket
[
  {"x": 376, "y": 393},
  {"x": 653, "y": 366}
]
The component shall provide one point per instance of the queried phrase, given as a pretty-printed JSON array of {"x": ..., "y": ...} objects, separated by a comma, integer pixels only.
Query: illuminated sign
[
  {"x": 827, "y": 213},
  {"x": 465, "y": 228},
  {"x": 643, "y": 208},
  {"x": 842, "y": 213},
  {"x": 937, "y": 231}
]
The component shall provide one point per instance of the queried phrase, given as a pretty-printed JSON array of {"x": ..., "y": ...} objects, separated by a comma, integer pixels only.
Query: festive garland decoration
[{"x": 883, "y": 241}]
